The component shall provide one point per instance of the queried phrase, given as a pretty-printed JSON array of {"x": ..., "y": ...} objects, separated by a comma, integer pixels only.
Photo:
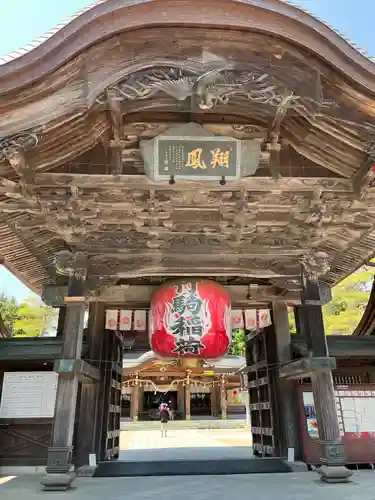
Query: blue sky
[{"x": 21, "y": 21}]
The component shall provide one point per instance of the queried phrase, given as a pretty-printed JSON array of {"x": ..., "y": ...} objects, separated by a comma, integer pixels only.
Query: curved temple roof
[
  {"x": 229, "y": 363},
  {"x": 62, "y": 33},
  {"x": 59, "y": 105},
  {"x": 52, "y": 32}
]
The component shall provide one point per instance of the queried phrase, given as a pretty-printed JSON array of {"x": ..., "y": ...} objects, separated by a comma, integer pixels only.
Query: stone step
[
  {"x": 184, "y": 424},
  {"x": 179, "y": 467}
]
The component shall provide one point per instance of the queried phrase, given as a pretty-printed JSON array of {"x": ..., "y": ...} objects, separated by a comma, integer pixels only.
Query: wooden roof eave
[
  {"x": 36, "y": 349},
  {"x": 17, "y": 256},
  {"x": 272, "y": 17},
  {"x": 83, "y": 132}
]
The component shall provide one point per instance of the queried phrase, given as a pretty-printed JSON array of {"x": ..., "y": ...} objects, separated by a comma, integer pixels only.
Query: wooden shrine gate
[
  {"x": 124, "y": 164},
  {"x": 273, "y": 400},
  {"x": 261, "y": 394},
  {"x": 111, "y": 385}
]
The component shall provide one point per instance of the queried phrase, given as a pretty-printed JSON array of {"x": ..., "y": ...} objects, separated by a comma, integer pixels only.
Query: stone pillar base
[
  {"x": 335, "y": 474},
  {"x": 57, "y": 482},
  {"x": 333, "y": 468},
  {"x": 188, "y": 417},
  {"x": 59, "y": 475}
]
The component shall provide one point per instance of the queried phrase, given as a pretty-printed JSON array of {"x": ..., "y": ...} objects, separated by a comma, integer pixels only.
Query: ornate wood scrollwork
[
  {"x": 71, "y": 264},
  {"x": 13, "y": 149},
  {"x": 209, "y": 85},
  {"x": 315, "y": 265},
  {"x": 9, "y": 146}
]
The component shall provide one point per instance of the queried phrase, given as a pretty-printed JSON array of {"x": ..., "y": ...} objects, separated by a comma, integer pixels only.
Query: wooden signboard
[
  {"x": 190, "y": 152},
  {"x": 204, "y": 158},
  {"x": 28, "y": 395}
]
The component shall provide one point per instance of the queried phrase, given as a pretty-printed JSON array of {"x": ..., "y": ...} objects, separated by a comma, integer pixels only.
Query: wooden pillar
[
  {"x": 140, "y": 399},
  {"x": 59, "y": 461},
  {"x": 187, "y": 398},
  {"x": 310, "y": 320},
  {"x": 134, "y": 404},
  {"x": 245, "y": 388},
  {"x": 61, "y": 322},
  {"x": 90, "y": 398},
  {"x": 214, "y": 401},
  {"x": 223, "y": 399},
  {"x": 181, "y": 400},
  {"x": 287, "y": 411}
]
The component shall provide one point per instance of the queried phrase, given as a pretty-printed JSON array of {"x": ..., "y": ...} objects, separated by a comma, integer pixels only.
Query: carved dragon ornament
[{"x": 210, "y": 86}]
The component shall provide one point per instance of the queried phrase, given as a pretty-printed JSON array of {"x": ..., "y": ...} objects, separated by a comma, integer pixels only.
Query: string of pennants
[
  {"x": 250, "y": 319},
  {"x": 136, "y": 320},
  {"x": 126, "y": 320}
]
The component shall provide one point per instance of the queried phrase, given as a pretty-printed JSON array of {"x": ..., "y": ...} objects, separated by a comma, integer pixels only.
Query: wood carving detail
[
  {"x": 71, "y": 264},
  {"x": 315, "y": 265},
  {"x": 70, "y": 191},
  {"x": 9, "y": 146},
  {"x": 210, "y": 85},
  {"x": 193, "y": 228}
]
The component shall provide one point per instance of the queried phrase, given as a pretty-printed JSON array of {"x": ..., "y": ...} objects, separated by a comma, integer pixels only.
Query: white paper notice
[
  {"x": 251, "y": 319},
  {"x": 140, "y": 320},
  {"x": 126, "y": 320},
  {"x": 28, "y": 395},
  {"x": 237, "y": 319},
  {"x": 111, "y": 319},
  {"x": 264, "y": 318}
]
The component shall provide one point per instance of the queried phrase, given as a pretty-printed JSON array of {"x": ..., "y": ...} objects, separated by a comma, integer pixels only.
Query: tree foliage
[
  {"x": 349, "y": 300},
  {"x": 8, "y": 311},
  {"x": 238, "y": 346},
  {"x": 30, "y": 318}
]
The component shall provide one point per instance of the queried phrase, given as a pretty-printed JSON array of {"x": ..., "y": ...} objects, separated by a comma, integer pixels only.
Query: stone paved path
[
  {"x": 297, "y": 486},
  {"x": 188, "y": 438}
]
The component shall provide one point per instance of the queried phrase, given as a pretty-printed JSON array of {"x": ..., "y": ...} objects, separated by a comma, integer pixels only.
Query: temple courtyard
[
  {"x": 146, "y": 444},
  {"x": 183, "y": 438},
  {"x": 293, "y": 486}
]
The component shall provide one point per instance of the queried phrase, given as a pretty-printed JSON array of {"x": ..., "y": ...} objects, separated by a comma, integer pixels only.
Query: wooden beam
[
  {"x": 264, "y": 184},
  {"x": 307, "y": 367},
  {"x": 341, "y": 346}
]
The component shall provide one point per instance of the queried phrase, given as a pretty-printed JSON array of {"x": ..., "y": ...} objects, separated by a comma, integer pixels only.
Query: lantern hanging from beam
[{"x": 190, "y": 319}]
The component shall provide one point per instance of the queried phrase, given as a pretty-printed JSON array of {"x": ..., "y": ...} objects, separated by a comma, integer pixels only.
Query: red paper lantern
[{"x": 190, "y": 319}]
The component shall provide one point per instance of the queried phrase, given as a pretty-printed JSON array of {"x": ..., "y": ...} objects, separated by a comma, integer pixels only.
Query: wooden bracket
[
  {"x": 84, "y": 371},
  {"x": 305, "y": 367}
]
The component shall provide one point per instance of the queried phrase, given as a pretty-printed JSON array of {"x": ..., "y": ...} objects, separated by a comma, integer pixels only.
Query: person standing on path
[{"x": 164, "y": 419}]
